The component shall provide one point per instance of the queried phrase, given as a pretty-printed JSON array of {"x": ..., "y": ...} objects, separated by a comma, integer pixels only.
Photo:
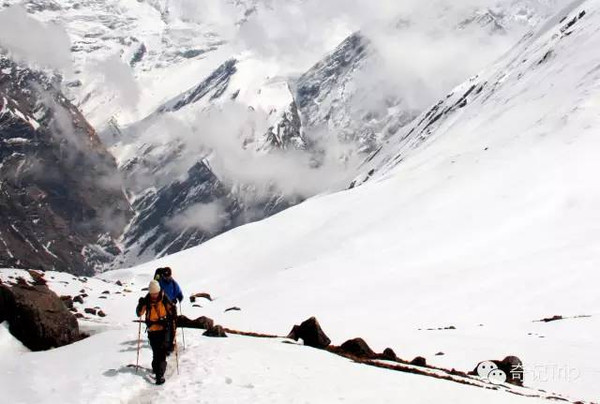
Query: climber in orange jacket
[{"x": 160, "y": 317}]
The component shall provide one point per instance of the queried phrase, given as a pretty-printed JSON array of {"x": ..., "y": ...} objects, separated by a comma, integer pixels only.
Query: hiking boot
[{"x": 160, "y": 380}]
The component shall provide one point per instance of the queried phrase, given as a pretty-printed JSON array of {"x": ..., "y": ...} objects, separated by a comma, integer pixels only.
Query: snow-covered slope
[
  {"x": 100, "y": 369},
  {"x": 479, "y": 219},
  {"x": 488, "y": 225}
]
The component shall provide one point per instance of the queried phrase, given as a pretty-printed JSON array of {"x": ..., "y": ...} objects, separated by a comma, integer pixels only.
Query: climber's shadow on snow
[
  {"x": 133, "y": 345},
  {"x": 131, "y": 342},
  {"x": 127, "y": 369}
]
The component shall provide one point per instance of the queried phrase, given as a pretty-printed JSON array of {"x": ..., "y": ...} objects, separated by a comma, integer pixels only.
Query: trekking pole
[
  {"x": 182, "y": 330},
  {"x": 176, "y": 352},
  {"x": 137, "y": 361}
]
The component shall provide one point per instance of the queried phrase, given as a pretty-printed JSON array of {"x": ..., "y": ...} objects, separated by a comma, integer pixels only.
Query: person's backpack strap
[
  {"x": 148, "y": 308},
  {"x": 170, "y": 307},
  {"x": 163, "y": 321}
]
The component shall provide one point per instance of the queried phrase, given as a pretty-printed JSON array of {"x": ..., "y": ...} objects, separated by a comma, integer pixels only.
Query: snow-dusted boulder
[
  {"x": 216, "y": 332},
  {"x": 203, "y": 322},
  {"x": 37, "y": 317},
  {"x": 419, "y": 361},
  {"x": 357, "y": 347},
  {"x": 311, "y": 333}
]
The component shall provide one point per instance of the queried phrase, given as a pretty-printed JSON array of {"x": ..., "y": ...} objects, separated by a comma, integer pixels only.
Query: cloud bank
[
  {"x": 207, "y": 217},
  {"x": 118, "y": 76},
  {"x": 34, "y": 42}
]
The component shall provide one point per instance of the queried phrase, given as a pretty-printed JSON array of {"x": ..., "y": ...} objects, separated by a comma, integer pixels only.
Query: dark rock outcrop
[
  {"x": 203, "y": 323},
  {"x": 311, "y": 333},
  {"x": 200, "y": 296},
  {"x": 37, "y": 317},
  {"x": 152, "y": 230},
  {"x": 357, "y": 347},
  {"x": 388, "y": 355},
  {"x": 419, "y": 361},
  {"x": 60, "y": 194},
  {"x": 37, "y": 277},
  {"x": 3, "y": 314},
  {"x": 216, "y": 332},
  {"x": 67, "y": 301},
  {"x": 551, "y": 319}
]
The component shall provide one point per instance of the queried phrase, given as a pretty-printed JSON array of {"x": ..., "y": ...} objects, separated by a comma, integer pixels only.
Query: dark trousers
[
  {"x": 159, "y": 344},
  {"x": 172, "y": 329},
  {"x": 171, "y": 338}
]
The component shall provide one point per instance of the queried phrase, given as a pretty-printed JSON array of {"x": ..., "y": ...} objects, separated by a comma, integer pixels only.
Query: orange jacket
[{"x": 158, "y": 313}]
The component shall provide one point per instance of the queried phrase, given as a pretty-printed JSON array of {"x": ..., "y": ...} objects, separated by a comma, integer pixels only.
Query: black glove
[{"x": 141, "y": 304}]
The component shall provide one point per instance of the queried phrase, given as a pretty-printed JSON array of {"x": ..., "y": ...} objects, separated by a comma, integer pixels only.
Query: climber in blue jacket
[
  {"x": 164, "y": 276},
  {"x": 171, "y": 288}
]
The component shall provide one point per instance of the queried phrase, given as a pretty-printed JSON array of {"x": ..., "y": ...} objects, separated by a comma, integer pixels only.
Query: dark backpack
[{"x": 158, "y": 274}]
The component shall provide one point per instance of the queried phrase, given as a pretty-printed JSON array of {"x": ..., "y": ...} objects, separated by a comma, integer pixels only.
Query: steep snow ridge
[
  {"x": 489, "y": 224},
  {"x": 326, "y": 96},
  {"x": 250, "y": 82},
  {"x": 497, "y": 86},
  {"x": 357, "y": 93},
  {"x": 216, "y": 83}
]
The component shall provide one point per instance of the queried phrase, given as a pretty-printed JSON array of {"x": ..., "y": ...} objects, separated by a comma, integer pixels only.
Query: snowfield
[
  {"x": 233, "y": 370},
  {"x": 489, "y": 224}
]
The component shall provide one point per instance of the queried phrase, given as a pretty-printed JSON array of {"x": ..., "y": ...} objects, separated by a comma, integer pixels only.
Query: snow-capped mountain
[
  {"x": 61, "y": 198},
  {"x": 173, "y": 177},
  {"x": 479, "y": 242},
  {"x": 328, "y": 118},
  {"x": 211, "y": 130},
  {"x": 360, "y": 93},
  {"x": 474, "y": 237},
  {"x": 120, "y": 48}
]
